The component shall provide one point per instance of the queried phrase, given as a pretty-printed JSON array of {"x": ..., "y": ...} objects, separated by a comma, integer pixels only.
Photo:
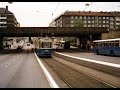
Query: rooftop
[
  {"x": 91, "y": 13},
  {"x": 3, "y": 10}
]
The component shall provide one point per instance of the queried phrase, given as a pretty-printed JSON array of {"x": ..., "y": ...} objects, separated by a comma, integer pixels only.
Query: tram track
[{"x": 74, "y": 78}]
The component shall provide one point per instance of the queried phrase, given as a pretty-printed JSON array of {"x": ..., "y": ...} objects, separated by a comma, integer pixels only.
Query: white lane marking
[
  {"x": 51, "y": 81},
  {"x": 91, "y": 60}
]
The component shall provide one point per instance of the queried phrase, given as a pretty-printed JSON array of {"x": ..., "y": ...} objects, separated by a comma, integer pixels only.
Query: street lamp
[{"x": 86, "y": 6}]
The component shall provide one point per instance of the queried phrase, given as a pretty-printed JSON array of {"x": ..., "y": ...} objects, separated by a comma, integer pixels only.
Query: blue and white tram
[{"x": 43, "y": 47}]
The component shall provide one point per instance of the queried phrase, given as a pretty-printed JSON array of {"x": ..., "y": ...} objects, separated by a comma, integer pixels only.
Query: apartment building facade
[
  {"x": 7, "y": 18},
  {"x": 89, "y": 19},
  {"x": 110, "y": 20}
]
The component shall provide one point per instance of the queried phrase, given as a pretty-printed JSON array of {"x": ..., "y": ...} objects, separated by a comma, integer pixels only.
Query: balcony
[
  {"x": 118, "y": 19},
  {"x": 3, "y": 22},
  {"x": 3, "y": 17},
  {"x": 117, "y": 23}
]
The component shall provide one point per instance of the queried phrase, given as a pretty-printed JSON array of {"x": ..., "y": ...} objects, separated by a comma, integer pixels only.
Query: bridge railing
[{"x": 51, "y": 31}]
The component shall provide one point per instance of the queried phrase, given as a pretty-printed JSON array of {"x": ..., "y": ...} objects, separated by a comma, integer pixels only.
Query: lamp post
[{"x": 86, "y": 6}]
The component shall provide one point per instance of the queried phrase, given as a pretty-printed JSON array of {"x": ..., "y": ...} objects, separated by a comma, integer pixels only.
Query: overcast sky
[{"x": 40, "y": 14}]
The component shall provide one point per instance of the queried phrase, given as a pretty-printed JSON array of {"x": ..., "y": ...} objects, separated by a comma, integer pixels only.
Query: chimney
[{"x": 6, "y": 8}]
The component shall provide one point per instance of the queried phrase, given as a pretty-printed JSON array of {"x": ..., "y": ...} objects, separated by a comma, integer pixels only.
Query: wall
[{"x": 111, "y": 34}]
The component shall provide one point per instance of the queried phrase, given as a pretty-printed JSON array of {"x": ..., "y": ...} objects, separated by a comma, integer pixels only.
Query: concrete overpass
[{"x": 51, "y": 31}]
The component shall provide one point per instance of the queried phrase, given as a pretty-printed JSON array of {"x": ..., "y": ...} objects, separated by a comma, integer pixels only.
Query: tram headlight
[{"x": 46, "y": 50}]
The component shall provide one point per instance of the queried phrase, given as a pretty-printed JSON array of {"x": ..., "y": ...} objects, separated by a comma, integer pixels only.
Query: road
[{"x": 21, "y": 70}]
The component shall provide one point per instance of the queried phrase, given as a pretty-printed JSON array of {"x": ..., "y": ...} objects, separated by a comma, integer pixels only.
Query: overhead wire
[{"x": 54, "y": 11}]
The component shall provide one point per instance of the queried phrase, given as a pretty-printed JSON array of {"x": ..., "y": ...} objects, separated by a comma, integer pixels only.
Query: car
[{"x": 28, "y": 44}]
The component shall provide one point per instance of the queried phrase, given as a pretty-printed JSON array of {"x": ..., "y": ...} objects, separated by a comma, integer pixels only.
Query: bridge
[{"x": 51, "y": 31}]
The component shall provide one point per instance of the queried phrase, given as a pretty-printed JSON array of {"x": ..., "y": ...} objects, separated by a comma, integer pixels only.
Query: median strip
[{"x": 106, "y": 67}]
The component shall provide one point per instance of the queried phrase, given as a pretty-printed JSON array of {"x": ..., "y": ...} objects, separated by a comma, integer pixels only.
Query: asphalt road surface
[{"x": 21, "y": 70}]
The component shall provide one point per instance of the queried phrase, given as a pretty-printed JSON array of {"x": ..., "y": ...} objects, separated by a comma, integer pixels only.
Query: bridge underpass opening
[{"x": 81, "y": 43}]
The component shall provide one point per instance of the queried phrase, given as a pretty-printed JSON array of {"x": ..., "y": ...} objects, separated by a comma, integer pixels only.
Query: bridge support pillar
[
  {"x": 30, "y": 40},
  {"x": 1, "y": 42},
  {"x": 78, "y": 42}
]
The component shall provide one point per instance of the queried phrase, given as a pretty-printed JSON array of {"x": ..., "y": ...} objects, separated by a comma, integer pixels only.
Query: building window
[
  {"x": 111, "y": 17},
  {"x": 72, "y": 21},
  {"x": 107, "y": 25},
  {"x": 3, "y": 24},
  {"x": 2, "y": 15},
  {"x": 72, "y": 17},
  {"x": 84, "y": 21},
  {"x": 99, "y": 21},
  {"x": 107, "y": 17},
  {"x": 93, "y": 17},
  {"x": 84, "y": 17},
  {"x": 103, "y": 17},
  {"x": 61, "y": 21},
  {"x": 116, "y": 17},
  {"x": 89, "y": 25},
  {"x": 89, "y": 21},
  {"x": 92, "y": 25},
  {"x": 76, "y": 17},
  {"x": 96, "y": 17},
  {"x": 103, "y": 21},
  {"x": 85, "y": 25},
  {"x": 99, "y": 17},
  {"x": 99, "y": 25},
  {"x": 80, "y": 17},
  {"x": 107, "y": 21},
  {"x": 92, "y": 21},
  {"x": 71, "y": 25},
  {"x": 88, "y": 17}
]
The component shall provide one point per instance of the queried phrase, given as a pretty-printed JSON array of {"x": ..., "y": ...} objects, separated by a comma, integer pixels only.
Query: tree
[
  {"x": 119, "y": 27},
  {"x": 78, "y": 23}
]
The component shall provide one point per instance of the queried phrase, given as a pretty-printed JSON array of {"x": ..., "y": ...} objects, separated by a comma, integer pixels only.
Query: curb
[
  {"x": 106, "y": 67},
  {"x": 51, "y": 81}
]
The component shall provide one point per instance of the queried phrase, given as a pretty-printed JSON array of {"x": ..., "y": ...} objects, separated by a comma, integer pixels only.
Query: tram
[{"x": 43, "y": 47}]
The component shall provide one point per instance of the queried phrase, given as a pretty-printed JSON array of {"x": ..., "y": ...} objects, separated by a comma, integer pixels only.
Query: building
[
  {"x": 116, "y": 20},
  {"x": 52, "y": 24},
  {"x": 89, "y": 19},
  {"x": 7, "y": 18},
  {"x": 110, "y": 20}
]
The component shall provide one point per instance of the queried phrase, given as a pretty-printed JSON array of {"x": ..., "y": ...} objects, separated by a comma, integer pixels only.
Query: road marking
[
  {"x": 91, "y": 60},
  {"x": 51, "y": 81}
]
